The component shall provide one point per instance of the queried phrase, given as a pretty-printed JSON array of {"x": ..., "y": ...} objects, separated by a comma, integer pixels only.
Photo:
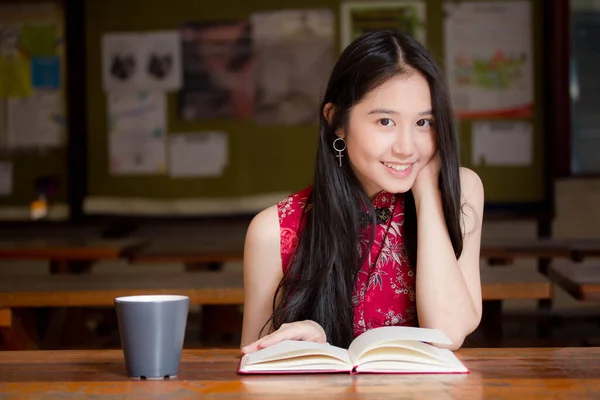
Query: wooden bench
[
  {"x": 63, "y": 253},
  {"x": 99, "y": 290},
  {"x": 514, "y": 283},
  {"x": 581, "y": 280},
  {"x": 510, "y": 283},
  {"x": 67, "y": 249},
  {"x": 203, "y": 288},
  {"x": 585, "y": 248},
  {"x": 506, "y": 250},
  {"x": 224, "y": 244},
  {"x": 189, "y": 250},
  {"x": 199, "y": 247}
]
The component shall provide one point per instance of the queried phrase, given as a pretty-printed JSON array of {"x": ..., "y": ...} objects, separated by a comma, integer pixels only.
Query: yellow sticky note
[
  {"x": 15, "y": 75},
  {"x": 39, "y": 40}
]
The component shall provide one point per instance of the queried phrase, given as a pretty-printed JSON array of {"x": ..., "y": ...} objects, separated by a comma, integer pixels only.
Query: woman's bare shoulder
[
  {"x": 470, "y": 183},
  {"x": 262, "y": 248},
  {"x": 265, "y": 225},
  {"x": 472, "y": 194}
]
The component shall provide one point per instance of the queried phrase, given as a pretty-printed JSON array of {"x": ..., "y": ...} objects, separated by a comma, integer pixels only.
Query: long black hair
[{"x": 319, "y": 281}]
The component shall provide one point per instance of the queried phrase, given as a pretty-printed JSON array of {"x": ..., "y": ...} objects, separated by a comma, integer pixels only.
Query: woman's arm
[
  {"x": 262, "y": 273},
  {"x": 448, "y": 290}
]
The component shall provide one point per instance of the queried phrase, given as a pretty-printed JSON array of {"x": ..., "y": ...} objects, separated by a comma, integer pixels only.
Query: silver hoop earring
[{"x": 339, "y": 151}]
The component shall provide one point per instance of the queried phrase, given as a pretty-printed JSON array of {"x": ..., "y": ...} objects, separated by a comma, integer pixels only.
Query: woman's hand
[
  {"x": 427, "y": 177},
  {"x": 308, "y": 331}
]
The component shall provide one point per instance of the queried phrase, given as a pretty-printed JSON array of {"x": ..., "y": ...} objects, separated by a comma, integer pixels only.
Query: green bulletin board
[{"x": 266, "y": 159}]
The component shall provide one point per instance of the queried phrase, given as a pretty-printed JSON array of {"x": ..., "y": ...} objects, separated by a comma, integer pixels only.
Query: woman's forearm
[{"x": 443, "y": 298}]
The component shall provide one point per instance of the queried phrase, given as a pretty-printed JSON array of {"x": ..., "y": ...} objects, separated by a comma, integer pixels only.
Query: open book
[{"x": 393, "y": 349}]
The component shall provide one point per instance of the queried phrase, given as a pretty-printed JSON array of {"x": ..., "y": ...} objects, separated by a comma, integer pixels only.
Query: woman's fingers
[
  {"x": 289, "y": 332},
  {"x": 302, "y": 330},
  {"x": 307, "y": 331},
  {"x": 254, "y": 346}
]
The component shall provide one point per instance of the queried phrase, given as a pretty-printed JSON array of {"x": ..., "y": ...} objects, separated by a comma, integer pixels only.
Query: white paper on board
[
  {"x": 202, "y": 154},
  {"x": 502, "y": 143}
]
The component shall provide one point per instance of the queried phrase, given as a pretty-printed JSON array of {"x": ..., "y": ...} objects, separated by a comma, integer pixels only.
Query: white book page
[
  {"x": 301, "y": 363},
  {"x": 291, "y": 349},
  {"x": 410, "y": 367},
  {"x": 418, "y": 353},
  {"x": 389, "y": 334}
]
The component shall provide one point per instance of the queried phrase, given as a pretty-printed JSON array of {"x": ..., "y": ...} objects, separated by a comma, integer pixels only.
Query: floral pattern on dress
[{"x": 384, "y": 294}]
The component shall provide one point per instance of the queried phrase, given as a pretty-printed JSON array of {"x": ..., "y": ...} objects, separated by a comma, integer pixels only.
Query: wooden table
[{"x": 495, "y": 373}]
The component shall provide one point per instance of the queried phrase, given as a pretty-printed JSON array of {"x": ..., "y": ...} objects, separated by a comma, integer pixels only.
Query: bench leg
[
  {"x": 544, "y": 327},
  {"x": 491, "y": 321},
  {"x": 13, "y": 333},
  {"x": 210, "y": 266},
  {"x": 544, "y": 306},
  {"x": 221, "y": 325},
  {"x": 500, "y": 261},
  {"x": 70, "y": 267}
]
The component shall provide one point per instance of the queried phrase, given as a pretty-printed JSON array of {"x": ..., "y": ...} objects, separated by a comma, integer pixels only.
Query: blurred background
[{"x": 139, "y": 137}]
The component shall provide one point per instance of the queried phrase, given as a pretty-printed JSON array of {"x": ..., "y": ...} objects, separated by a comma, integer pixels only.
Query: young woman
[{"x": 389, "y": 231}]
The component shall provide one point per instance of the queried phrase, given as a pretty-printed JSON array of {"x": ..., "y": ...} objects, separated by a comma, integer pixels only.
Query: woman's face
[{"x": 390, "y": 135}]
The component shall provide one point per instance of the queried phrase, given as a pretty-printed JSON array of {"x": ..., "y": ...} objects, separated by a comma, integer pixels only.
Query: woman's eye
[
  {"x": 386, "y": 122},
  {"x": 425, "y": 122}
]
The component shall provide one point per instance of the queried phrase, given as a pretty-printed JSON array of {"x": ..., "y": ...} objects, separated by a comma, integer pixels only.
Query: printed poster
[
  {"x": 361, "y": 17},
  {"x": 489, "y": 58},
  {"x": 218, "y": 71},
  {"x": 294, "y": 52},
  {"x": 137, "y": 62}
]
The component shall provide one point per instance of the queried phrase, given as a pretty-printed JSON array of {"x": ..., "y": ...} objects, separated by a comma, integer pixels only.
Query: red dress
[{"x": 384, "y": 294}]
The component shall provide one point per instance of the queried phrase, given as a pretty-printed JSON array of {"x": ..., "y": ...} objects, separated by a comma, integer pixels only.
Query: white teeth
[{"x": 397, "y": 167}]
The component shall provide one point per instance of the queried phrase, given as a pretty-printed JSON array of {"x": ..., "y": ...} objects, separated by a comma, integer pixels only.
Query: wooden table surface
[{"x": 495, "y": 373}]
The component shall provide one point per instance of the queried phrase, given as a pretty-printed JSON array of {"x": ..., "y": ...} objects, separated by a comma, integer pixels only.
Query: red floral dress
[{"x": 384, "y": 294}]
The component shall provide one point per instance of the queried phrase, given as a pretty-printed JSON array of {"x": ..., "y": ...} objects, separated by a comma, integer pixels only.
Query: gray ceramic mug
[{"x": 152, "y": 330}]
